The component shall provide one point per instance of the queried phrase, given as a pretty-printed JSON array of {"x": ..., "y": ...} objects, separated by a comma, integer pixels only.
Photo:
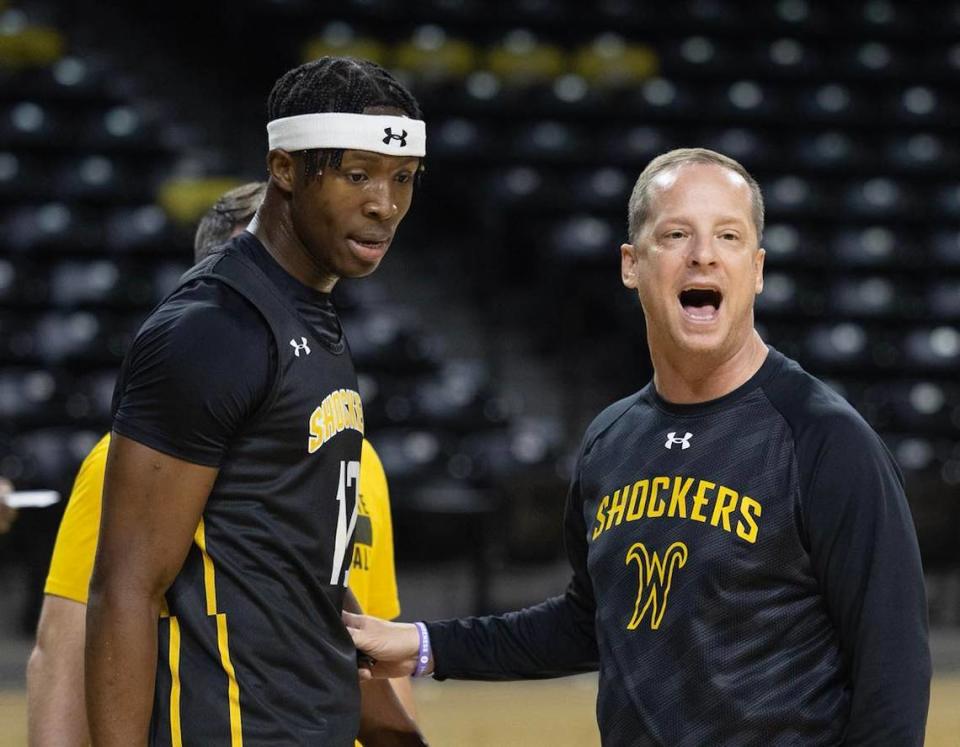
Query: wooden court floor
[{"x": 555, "y": 713}]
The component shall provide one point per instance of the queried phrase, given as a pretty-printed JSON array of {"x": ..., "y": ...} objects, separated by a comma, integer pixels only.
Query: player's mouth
[
  {"x": 369, "y": 246},
  {"x": 700, "y": 304}
]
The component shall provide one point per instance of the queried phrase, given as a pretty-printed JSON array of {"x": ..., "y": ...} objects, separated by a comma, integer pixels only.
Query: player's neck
[
  {"x": 273, "y": 226},
  {"x": 683, "y": 378}
]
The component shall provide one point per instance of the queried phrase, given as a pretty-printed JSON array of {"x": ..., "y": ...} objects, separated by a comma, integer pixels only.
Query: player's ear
[
  {"x": 282, "y": 168},
  {"x": 628, "y": 265}
]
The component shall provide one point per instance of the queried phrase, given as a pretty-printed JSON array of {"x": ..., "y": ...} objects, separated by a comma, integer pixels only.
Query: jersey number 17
[{"x": 349, "y": 479}]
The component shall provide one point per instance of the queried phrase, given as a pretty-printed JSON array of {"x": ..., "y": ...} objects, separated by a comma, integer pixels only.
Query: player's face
[
  {"x": 697, "y": 265},
  {"x": 347, "y": 217}
]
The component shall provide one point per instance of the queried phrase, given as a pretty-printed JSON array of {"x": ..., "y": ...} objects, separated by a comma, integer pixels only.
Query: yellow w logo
[{"x": 654, "y": 583}]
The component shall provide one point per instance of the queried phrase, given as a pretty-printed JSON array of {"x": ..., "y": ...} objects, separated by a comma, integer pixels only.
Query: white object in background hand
[{"x": 31, "y": 498}]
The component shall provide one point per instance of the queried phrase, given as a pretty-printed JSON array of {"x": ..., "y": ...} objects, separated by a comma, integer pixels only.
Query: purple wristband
[{"x": 423, "y": 657}]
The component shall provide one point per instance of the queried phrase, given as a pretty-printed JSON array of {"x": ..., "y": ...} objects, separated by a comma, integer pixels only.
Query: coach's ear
[
  {"x": 282, "y": 167},
  {"x": 628, "y": 265}
]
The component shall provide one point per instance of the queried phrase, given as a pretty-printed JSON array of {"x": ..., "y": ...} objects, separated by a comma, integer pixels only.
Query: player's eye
[
  {"x": 404, "y": 176},
  {"x": 356, "y": 176}
]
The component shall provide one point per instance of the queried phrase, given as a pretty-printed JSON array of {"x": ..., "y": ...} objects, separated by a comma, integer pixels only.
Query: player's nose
[{"x": 380, "y": 204}]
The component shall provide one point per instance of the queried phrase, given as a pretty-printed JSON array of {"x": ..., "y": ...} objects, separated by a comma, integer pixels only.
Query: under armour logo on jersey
[
  {"x": 298, "y": 346},
  {"x": 672, "y": 440},
  {"x": 655, "y": 575},
  {"x": 390, "y": 136}
]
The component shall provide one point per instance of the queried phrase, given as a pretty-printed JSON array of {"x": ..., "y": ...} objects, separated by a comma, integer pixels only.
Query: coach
[{"x": 745, "y": 567}]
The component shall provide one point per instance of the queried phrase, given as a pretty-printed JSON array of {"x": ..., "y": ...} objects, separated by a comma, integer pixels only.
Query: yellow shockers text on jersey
[
  {"x": 681, "y": 497},
  {"x": 340, "y": 409}
]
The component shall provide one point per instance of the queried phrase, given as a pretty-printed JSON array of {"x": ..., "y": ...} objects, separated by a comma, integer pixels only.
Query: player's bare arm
[
  {"x": 152, "y": 505},
  {"x": 56, "y": 716},
  {"x": 404, "y": 691}
]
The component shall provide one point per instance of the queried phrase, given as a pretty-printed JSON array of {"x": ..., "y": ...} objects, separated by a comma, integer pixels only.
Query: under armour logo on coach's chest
[
  {"x": 672, "y": 440},
  {"x": 388, "y": 131},
  {"x": 300, "y": 346}
]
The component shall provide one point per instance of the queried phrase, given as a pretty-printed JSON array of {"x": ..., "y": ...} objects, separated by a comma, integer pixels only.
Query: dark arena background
[{"x": 497, "y": 326}]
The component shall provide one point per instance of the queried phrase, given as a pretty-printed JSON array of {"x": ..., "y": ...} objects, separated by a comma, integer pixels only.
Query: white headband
[{"x": 394, "y": 136}]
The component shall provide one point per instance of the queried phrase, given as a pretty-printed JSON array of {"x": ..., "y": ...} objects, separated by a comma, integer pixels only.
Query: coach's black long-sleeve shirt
[{"x": 745, "y": 571}]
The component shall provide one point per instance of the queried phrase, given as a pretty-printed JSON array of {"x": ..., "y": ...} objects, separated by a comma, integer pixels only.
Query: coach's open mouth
[{"x": 701, "y": 304}]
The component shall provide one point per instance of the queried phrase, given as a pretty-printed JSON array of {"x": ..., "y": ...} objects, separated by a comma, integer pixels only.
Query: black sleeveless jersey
[{"x": 251, "y": 646}]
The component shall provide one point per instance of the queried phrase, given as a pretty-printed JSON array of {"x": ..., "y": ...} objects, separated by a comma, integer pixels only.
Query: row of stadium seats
[
  {"x": 787, "y": 196},
  {"x": 453, "y": 402},
  {"x": 874, "y": 15},
  {"x": 84, "y": 339},
  {"x": 870, "y": 287},
  {"x": 615, "y": 146},
  {"x": 585, "y": 238}
]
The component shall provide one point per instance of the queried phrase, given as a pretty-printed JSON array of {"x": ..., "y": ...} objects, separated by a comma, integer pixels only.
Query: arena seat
[
  {"x": 837, "y": 345},
  {"x": 343, "y": 38},
  {"x": 433, "y": 56},
  {"x": 141, "y": 228},
  {"x": 933, "y": 348},
  {"x": 31, "y": 397},
  {"x": 943, "y": 298},
  {"x": 49, "y": 457},
  {"x": 870, "y": 296}
]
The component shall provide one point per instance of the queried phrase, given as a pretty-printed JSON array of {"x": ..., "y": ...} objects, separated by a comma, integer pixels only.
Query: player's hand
[
  {"x": 7, "y": 514},
  {"x": 393, "y": 647}
]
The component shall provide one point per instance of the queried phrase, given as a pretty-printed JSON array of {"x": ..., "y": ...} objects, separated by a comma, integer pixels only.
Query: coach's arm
[
  {"x": 864, "y": 549},
  {"x": 551, "y": 639},
  {"x": 152, "y": 504}
]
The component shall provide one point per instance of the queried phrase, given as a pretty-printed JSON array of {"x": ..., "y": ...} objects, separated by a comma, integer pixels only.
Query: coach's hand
[{"x": 393, "y": 647}]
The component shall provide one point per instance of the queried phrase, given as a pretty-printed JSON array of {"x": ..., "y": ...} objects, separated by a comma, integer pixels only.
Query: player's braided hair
[{"x": 336, "y": 84}]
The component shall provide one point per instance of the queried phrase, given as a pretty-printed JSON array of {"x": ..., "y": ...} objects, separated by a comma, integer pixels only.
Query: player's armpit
[{"x": 152, "y": 503}]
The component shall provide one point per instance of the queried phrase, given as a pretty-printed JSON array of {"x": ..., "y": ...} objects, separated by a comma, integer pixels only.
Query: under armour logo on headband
[{"x": 390, "y": 136}]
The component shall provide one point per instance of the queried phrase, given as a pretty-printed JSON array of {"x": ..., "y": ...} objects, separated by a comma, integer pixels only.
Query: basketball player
[
  {"x": 229, "y": 500},
  {"x": 745, "y": 567},
  {"x": 55, "y": 708}
]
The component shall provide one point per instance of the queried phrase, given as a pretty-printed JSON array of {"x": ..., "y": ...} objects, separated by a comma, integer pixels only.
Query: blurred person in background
[
  {"x": 55, "y": 704},
  {"x": 7, "y": 514},
  {"x": 230, "y": 492},
  {"x": 745, "y": 566}
]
